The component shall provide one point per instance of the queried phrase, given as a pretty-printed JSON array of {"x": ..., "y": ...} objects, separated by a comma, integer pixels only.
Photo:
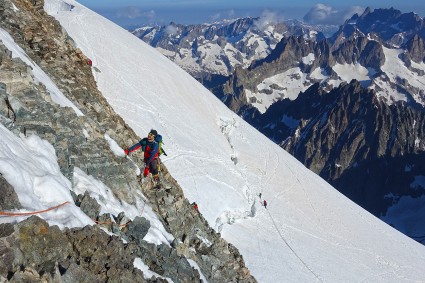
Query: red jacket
[{"x": 151, "y": 150}]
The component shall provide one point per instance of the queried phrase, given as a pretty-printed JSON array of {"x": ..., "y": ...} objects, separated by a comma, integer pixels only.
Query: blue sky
[{"x": 140, "y": 12}]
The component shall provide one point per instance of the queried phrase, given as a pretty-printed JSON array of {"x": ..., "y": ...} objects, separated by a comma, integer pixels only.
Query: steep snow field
[{"x": 308, "y": 233}]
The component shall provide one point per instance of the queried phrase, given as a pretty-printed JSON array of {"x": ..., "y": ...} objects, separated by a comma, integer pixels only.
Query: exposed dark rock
[
  {"x": 88, "y": 205},
  {"x": 138, "y": 228},
  {"x": 8, "y": 197},
  {"x": 367, "y": 52},
  {"x": 416, "y": 49},
  {"x": 389, "y": 24}
]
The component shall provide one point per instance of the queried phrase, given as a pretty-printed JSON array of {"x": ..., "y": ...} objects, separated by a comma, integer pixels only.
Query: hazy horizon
[{"x": 125, "y": 14}]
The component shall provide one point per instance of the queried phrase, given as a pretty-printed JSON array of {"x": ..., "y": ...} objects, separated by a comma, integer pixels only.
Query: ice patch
[
  {"x": 147, "y": 273},
  {"x": 309, "y": 59},
  {"x": 115, "y": 148}
]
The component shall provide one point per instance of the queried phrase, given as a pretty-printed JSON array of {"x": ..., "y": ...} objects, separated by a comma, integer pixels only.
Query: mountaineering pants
[{"x": 153, "y": 168}]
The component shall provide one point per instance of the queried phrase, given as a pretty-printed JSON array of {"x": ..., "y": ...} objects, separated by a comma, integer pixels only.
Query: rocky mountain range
[
  {"x": 208, "y": 51},
  {"x": 393, "y": 27},
  {"x": 33, "y": 251},
  {"x": 350, "y": 106}
]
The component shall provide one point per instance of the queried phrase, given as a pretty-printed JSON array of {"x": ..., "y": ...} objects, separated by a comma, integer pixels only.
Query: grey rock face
[
  {"x": 416, "y": 49},
  {"x": 138, "y": 228},
  {"x": 45, "y": 254},
  {"x": 8, "y": 197},
  {"x": 35, "y": 112},
  {"x": 88, "y": 205},
  {"x": 360, "y": 49},
  {"x": 194, "y": 238}
]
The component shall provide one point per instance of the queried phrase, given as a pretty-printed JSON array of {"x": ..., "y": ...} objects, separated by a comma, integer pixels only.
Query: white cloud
[
  {"x": 215, "y": 17},
  {"x": 231, "y": 13},
  {"x": 228, "y": 14},
  {"x": 171, "y": 30},
  {"x": 268, "y": 17},
  {"x": 323, "y": 14},
  {"x": 132, "y": 12},
  {"x": 149, "y": 14}
]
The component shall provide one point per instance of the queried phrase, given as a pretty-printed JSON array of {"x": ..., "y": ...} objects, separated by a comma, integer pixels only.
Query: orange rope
[
  {"x": 31, "y": 213},
  {"x": 56, "y": 207}
]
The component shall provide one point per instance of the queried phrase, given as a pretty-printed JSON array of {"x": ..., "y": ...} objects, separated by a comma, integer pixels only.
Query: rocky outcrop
[
  {"x": 195, "y": 239},
  {"x": 287, "y": 54},
  {"x": 416, "y": 49},
  {"x": 34, "y": 252},
  {"x": 368, "y": 53},
  {"x": 8, "y": 197},
  {"x": 89, "y": 254}
]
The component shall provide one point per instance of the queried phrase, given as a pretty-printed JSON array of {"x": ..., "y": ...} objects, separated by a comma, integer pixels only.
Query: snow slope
[{"x": 309, "y": 232}]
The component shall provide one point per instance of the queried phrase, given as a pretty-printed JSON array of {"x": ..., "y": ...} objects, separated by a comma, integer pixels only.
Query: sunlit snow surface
[{"x": 309, "y": 232}]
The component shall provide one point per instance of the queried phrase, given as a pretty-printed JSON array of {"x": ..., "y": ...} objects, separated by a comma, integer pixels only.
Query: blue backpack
[{"x": 158, "y": 139}]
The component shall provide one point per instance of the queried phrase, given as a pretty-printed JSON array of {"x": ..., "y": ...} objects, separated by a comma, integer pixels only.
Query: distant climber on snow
[
  {"x": 195, "y": 205},
  {"x": 151, "y": 146},
  {"x": 265, "y": 203}
]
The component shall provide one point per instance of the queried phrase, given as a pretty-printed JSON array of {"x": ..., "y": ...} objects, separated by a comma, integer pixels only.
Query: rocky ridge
[
  {"x": 89, "y": 254},
  {"x": 393, "y": 27},
  {"x": 289, "y": 54},
  {"x": 209, "y": 50}
]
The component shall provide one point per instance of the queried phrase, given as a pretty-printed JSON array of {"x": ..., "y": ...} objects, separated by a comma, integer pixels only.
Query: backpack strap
[{"x": 143, "y": 142}]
